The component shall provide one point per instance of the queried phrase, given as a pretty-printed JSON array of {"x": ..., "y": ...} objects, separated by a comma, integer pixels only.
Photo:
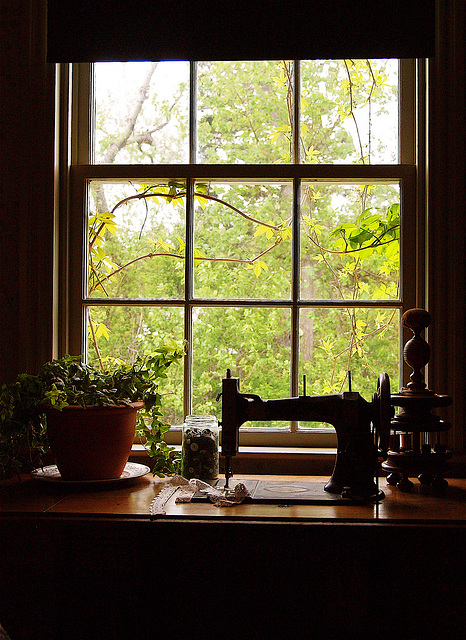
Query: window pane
[
  {"x": 242, "y": 240},
  {"x": 350, "y": 241},
  {"x": 244, "y": 112},
  {"x": 141, "y": 112},
  {"x": 138, "y": 286},
  {"x": 349, "y": 111},
  {"x": 335, "y": 341},
  {"x": 253, "y": 342},
  {"x": 124, "y": 332},
  {"x": 136, "y": 235}
]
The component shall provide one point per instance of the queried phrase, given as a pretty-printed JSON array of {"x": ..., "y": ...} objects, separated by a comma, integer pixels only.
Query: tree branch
[
  {"x": 182, "y": 194},
  {"x": 115, "y": 147}
]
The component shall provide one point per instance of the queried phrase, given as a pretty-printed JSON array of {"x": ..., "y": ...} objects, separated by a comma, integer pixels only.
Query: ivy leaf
[
  {"x": 312, "y": 154},
  {"x": 392, "y": 249},
  {"x": 314, "y": 225},
  {"x": 279, "y": 131},
  {"x": 342, "y": 229},
  {"x": 393, "y": 212},
  {"x": 340, "y": 244},
  {"x": 99, "y": 253},
  {"x": 382, "y": 293},
  {"x": 365, "y": 253},
  {"x": 372, "y": 222},
  {"x": 327, "y": 346}
]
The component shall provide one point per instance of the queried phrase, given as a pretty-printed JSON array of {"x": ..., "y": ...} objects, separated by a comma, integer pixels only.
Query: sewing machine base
[{"x": 286, "y": 492}]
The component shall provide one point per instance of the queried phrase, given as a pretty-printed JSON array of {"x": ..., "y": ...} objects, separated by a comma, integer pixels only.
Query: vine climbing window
[{"x": 263, "y": 211}]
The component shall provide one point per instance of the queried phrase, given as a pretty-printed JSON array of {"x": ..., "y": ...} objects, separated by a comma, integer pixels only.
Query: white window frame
[{"x": 76, "y": 118}]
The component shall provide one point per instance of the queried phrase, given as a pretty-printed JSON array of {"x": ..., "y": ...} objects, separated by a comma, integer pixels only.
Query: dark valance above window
[{"x": 100, "y": 30}]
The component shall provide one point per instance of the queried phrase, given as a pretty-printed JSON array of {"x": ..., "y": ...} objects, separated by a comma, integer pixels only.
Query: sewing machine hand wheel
[{"x": 383, "y": 412}]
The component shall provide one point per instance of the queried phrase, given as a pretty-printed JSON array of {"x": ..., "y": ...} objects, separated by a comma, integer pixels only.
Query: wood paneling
[{"x": 84, "y": 569}]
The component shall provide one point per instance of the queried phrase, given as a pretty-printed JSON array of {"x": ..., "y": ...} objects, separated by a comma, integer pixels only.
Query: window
[{"x": 264, "y": 211}]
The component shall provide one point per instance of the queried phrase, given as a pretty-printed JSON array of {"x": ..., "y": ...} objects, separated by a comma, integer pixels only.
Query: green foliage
[
  {"x": 69, "y": 381},
  {"x": 23, "y": 435},
  {"x": 242, "y": 107},
  {"x": 350, "y": 242},
  {"x": 246, "y": 111},
  {"x": 358, "y": 339},
  {"x": 360, "y": 260},
  {"x": 243, "y": 237},
  {"x": 370, "y": 233}
]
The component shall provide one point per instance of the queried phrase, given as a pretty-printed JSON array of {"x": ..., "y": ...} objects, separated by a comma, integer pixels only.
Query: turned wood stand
[{"x": 411, "y": 452}]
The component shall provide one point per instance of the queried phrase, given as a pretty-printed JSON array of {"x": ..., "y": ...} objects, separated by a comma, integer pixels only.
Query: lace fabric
[{"x": 186, "y": 489}]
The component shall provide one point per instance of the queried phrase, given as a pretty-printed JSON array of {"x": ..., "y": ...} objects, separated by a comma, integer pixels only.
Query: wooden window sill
[{"x": 292, "y": 461}]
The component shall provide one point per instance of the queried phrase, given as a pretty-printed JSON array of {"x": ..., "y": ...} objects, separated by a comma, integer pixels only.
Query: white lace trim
[{"x": 186, "y": 489}]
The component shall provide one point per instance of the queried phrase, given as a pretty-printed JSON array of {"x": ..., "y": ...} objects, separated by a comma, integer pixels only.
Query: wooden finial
[{"x": 416, "y": 351}]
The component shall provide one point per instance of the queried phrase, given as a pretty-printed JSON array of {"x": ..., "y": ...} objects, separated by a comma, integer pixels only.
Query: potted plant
[{"x": 86, "y": 417}]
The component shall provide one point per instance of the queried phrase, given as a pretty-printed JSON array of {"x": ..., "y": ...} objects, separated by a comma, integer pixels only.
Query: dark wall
[
  {"x": 26, "y": 189},
  {"x": 446, "y": 206}
]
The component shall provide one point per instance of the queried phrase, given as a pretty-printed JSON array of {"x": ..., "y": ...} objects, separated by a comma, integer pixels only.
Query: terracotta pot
[{"x": 92, "y": 443}]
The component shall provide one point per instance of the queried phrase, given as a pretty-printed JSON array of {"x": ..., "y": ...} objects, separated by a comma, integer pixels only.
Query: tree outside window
[{"x": 296, "y": 273}]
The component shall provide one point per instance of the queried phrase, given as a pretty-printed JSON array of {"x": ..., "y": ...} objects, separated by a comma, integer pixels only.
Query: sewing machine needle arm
[{"x": 228, "y": 471}]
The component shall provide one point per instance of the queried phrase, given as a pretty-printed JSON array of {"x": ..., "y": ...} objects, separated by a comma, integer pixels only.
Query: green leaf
[
  {"x": 258, "y": 267},
  {"x": 314, "y": 225},
  {"x": 197, "y": 254},
  {"x": 102, "y": 330},
  {"x": 262, "y": 229},
  {"x": 286, "y": 233},
  {"x": 363, "y": 254},
  {"x": 165, "y": 246},
  {"x": 202, "y": 200},
  {"x": 327, "y": 345}
]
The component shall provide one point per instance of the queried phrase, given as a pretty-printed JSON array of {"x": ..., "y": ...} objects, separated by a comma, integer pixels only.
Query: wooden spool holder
[{"x": 410, "y": 451}]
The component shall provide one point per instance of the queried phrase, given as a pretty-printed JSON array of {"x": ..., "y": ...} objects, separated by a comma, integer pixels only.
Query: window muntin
[{"x": 392, "y": 179}]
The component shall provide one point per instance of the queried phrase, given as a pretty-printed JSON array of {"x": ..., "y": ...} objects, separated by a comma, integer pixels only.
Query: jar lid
[{"x": 200, "y": 418}]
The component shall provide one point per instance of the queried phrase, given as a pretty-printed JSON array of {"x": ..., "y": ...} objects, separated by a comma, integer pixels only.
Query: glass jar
[{"x": 199, "y": 448}]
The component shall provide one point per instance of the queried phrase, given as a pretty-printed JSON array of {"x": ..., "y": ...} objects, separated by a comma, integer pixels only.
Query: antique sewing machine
[{"x": 362, "y": 428}]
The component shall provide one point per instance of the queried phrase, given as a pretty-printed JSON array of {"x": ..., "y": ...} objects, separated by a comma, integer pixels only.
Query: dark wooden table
[
  {"x": 91, "y": 563},
  {"x": 132, "y": 499}
]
